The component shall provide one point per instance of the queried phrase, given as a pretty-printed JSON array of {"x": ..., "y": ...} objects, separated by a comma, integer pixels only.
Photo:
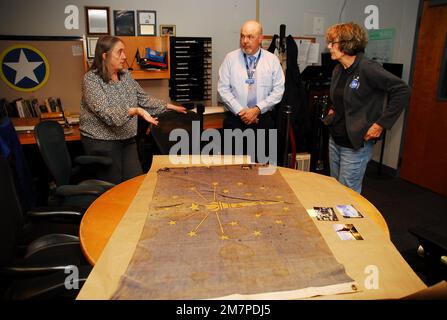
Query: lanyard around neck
[{"x": 251, "y": 72}]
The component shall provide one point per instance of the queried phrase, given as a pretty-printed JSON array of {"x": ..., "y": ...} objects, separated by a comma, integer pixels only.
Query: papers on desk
[
  {"x": 308, "y": 53},
  {"x": 211, "y": 110},
  {"x": 24, "y": 128},
  {"x": 73, "y": 119}
]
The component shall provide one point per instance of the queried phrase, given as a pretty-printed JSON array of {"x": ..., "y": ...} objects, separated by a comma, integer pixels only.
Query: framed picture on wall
[
  {"x": 97, "y": 20},
  {"x": 147, "y": 22},
  {"x": 91, "y": 46},
  {"x": 124, "y": 22},
  {"x": 167, "y": 30}
]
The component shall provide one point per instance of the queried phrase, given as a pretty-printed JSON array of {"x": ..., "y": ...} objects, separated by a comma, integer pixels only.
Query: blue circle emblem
[
  {"x": 355, "y": 83},
  {"x": 24, "y": 68}
]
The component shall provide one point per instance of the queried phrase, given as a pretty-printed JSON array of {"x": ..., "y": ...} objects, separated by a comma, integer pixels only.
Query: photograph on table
[
  {"x": 347, "y": 232},
  {"x": 348, "y": 211},
  {"x": 325, "y": 214}
]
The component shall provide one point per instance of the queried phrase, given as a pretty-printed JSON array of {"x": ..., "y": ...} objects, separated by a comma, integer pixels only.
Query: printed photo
[
  {"x": 348, "y": 211},
  {"x": 347, "y": 232},
  {"x": 325, "y": 214}
]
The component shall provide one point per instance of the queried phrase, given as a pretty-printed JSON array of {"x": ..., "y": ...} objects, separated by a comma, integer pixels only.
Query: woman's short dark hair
[
  {"x": 351, "y": 37},
  {"x": 105, "y": 45}
]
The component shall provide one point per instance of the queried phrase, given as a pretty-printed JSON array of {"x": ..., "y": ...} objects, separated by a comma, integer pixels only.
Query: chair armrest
[
  {"x": 105, "y": 185},
  {"x": 430, "y": 236},
  {"x": 44, "y": 256},
  {"x": 78, "y": 190},
  {"x": 48, "y": 287},
  {"x": 52, "y": 242},
  {"x": 69, "y": 214},
  {"x": 87, "y": 160},
  {"x": 24, "y": 271}
]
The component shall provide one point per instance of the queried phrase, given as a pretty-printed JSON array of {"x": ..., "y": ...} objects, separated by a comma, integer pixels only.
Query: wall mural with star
[
  {"x": 38, "y": 69},
  {"x": 24, "y": 68}
]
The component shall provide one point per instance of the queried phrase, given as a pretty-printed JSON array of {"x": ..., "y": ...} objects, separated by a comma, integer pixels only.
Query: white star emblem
[{"x": 24, "y": 68}]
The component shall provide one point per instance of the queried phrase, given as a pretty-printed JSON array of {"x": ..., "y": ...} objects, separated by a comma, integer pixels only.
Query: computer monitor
[{"x": 317, "y": 73}]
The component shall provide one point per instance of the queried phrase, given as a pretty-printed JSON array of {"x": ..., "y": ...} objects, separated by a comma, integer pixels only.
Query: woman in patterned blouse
[{"x": 111, "y": 102}]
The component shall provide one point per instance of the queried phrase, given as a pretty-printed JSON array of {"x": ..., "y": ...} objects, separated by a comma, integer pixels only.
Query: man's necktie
[{"x": 251, "y": 97}]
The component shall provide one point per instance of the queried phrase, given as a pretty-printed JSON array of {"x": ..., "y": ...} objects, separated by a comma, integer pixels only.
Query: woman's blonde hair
[{"x": 351, "y": 37}]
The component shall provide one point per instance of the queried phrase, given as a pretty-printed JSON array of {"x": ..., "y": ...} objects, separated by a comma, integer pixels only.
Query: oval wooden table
[{"x": 102, "y": 217}]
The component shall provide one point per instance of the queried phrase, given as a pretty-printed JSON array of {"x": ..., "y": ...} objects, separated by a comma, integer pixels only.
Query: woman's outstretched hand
[
  {"x": 180, "y": 109},
  {"x": 143, "y": 114},
  {"x": 146, "y": 116}
]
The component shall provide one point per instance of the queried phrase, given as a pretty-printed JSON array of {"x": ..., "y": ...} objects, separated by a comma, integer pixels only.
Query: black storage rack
[{"x": 191, "y": 59}]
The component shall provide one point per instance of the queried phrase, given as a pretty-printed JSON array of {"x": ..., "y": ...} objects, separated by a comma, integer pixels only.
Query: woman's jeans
[{"x": 348, "y": 165}]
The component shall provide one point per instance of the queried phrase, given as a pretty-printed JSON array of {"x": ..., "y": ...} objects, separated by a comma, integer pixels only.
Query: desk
[
  {"x": 112, "y": 208},
  {"x": 211, "y": 121},
  {"x": 72, "y": 134},
  {"x": 28, "y": 137}
]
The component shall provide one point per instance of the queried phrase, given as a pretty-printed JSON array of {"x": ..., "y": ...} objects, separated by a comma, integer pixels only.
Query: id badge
[{"x": 250, "y": 81}]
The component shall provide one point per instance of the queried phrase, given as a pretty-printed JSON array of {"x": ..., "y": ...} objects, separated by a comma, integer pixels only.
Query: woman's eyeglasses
[{"x": 334, "y": 42}]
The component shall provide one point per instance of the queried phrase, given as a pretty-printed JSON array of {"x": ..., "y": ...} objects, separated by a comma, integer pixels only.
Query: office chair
[
  {"x": 11, "y": 148},
  {"x": 54, "y": 151},
  {"x": 171, "y": 120},
  {"x": 38, "y": 272},
  {"x": 34, "y": 221},
  {"x": 433, "y": 248},
  {"x": 145, "y": 144}
]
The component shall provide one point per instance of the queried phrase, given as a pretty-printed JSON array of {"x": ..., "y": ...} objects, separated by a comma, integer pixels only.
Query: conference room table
[{"x": 111, "y": 227}]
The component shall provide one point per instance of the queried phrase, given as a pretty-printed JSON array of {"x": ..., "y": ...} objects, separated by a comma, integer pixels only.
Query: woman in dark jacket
[{"x": 366, "y": 100}]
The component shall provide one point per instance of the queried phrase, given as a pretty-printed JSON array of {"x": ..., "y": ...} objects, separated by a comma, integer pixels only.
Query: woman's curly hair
[{"x": 351, "y": 37}]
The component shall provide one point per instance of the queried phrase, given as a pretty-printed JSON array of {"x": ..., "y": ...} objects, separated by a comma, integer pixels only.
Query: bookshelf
[{"x": 141, "y": 43}]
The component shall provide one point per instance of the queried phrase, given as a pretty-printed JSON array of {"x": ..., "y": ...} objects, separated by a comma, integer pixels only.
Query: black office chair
[
  {"x": 38, "y": 271},
  {"x": 11, "y": 148},
  {"x": 433, "y": 248},
  {"x": 34, "y": 221},
  {"x": 145, "y": 145},
  {"x": 53, "y": 148},
  {"x": 171, "y": 120}
]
